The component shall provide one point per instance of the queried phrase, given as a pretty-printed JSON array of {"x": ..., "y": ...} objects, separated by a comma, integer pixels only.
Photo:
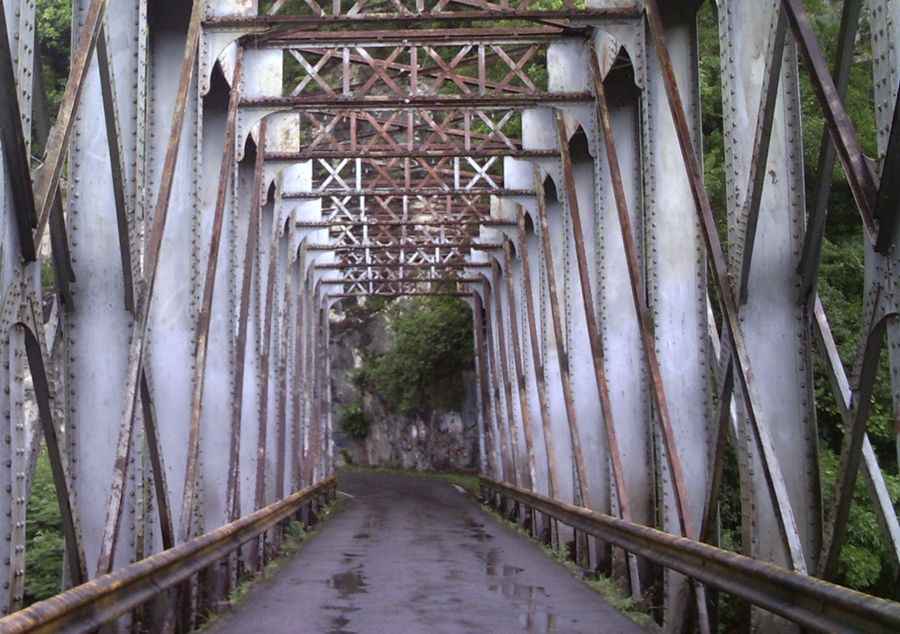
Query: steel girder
[{"x": 235, "y": 188}]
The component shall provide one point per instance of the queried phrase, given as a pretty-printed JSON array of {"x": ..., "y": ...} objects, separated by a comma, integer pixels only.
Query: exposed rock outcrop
[{"x": 429, "y": 440}]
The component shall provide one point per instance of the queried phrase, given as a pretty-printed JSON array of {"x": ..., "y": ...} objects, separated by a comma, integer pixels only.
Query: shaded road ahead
[{"x": 414, "y": 555}]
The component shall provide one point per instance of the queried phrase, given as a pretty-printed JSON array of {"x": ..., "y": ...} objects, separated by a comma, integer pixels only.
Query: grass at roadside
[{"x": 295, "y": 536}]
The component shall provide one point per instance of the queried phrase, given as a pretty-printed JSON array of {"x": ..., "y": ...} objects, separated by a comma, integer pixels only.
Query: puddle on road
[
  {"x": 338, "y": 625},
  {"x": 503, "y": 579},
  {"x": 347, "y": 584}
]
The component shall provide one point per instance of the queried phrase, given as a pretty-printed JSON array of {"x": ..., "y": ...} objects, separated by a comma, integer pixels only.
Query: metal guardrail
[
  {"x": 805, "y": 600},
  {"x": 86, "y": 607}
]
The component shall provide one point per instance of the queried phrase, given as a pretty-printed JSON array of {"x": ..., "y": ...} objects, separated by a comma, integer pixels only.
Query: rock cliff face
[{"x": 432, "y": 440}]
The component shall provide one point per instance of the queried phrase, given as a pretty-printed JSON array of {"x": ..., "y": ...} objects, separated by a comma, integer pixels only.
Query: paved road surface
[{"x": 414, "y": 555}]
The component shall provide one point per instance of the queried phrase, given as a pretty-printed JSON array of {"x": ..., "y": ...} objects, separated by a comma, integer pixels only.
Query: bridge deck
[{"x": 414, "y": 555}]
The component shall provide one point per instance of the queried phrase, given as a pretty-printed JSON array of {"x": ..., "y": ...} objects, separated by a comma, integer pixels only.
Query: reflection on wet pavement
[
  {"x": 502, "y": 578},
  {"x": 347, "y": 584},
  {"x": 411, "y": 556},
  {"x": 476, "y": 529}
]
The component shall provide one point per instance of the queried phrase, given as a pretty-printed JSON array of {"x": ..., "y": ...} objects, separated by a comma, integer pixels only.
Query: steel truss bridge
[{"x": 222, "y": 173}]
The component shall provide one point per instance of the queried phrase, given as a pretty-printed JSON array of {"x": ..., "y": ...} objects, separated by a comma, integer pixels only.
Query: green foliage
[
  {"x": 354, "y": 421},
  {"x": 432, "y": 347},
  {"x": 54, "y": 24},
  {"x": 48, "y": 275},
  {"x": 865, "y": 555},
  {"x": 864, "y": 558},
  {"x": 43, "y": 538}
]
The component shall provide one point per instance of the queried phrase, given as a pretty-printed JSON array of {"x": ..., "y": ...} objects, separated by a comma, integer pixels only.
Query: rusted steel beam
[
  {"x": 815, "y": 224},
  {"x": 403, "y": 265},
  {"x": 15, "y": 149},
  {"x": 413, "y": 191},
  {"x": 328, "y": 224},
  {"x": 265, "y": 356},
  {"x": 157, "y": 465},
  {"x": 58, "y": 142},
  {"x": 641, "y": 309},
  {"x": 281, "y": 388},
  {"x": 411, "y": 102},
  {"x": 321, "y": 39},
  {"x": 297, "y": 390},
  {"x": 507, "y": 384},
  {"x": 854, "y": 437},
  {"x": 481, "y": 361},
  {"x": 500, "y": 421},
  {"x": 537, "y": 360},
  {"x": 723, "y": 421},
  {"x": 887, "y": 207},
  {"x": 428, "y": 70},
  {"x": 522, "y": 388},
  {"x": 843, "y": 134},
  {"x": 840, "y": 387},
  {"x": 36, "y": 350},
  {"x": 399, "y": 280},
  {"x": 64, "y": 274},
  {"x": 772, "y": 470},
  {"x": 763, "y": 136},
  {"x": 489, "y": 15},
  {"x": 587, "y": 297},
  {"x": 151, "y": 262},
  {"x": 312, "y": 388},
  {"x": 319, "y": 395},
  {"x": 250, "y": 253},
  {"x": 411, "y": 246},
  {"x": 204, "y": 318},
  {"x": 116, "y": 163},
  {"x": 807, "y": 601},
  {"x": 364, "y": 153},
  {"x": 95, "y": 603},
  {"x": 565, "y": 371},
  {"x": 400, "y": 294}
]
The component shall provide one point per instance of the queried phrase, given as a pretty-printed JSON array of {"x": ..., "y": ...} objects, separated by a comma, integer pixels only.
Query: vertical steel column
[
  {"x": 593, "y": 335},
  {"x": 501, "y": 422},
  {"x": 309, "y": 383},
  {"x": 486, "y": 445},
  {"x": 513, "y": 307},
  {"x": 621, "y": 338},
  {"x": 691, "y": 164},
  {"x": 676, "y": 290},
  {"x": 281, "y": 338},
  {"x": 297, "y": 374},
  {"x": 242, "y": 449},
  {"x": 17, "y": 284},
  {"x": 766, "y": 214},
  {"x": 503, "y": 360},
  {"x": 537, "y": 357},
  {"x": 268, "y": 261},
  {"x": 583, "y": 496},
  {"x": 329, "y": 418},
  {"x": 886, "y": 69},
  {"x": 215, "y": 313},
  {"x": 17, "y": 211},
  {"x": 98, "y": 325}
]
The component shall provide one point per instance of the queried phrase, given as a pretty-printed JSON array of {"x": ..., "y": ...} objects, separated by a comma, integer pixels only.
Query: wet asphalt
[{"x": 408, "y": 554}]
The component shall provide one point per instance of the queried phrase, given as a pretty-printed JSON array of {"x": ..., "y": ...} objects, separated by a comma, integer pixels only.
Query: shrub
[{"x": 354, "y": 421}]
